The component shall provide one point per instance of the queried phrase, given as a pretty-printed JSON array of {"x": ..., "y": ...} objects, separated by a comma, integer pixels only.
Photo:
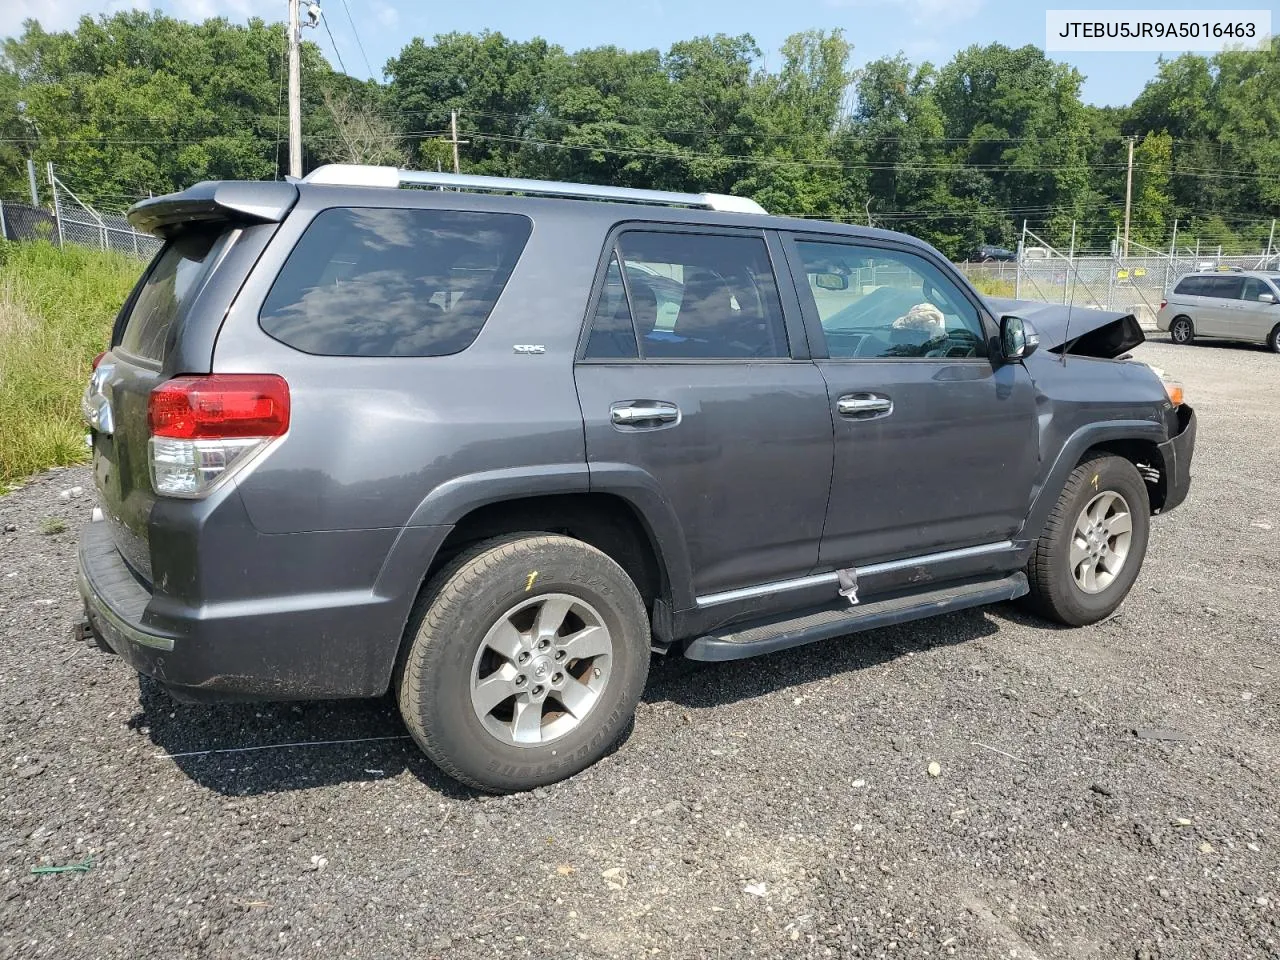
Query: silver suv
[{"x": 1241, "y": 305}]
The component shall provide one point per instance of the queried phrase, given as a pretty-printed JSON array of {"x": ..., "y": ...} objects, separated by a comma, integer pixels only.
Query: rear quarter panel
[{"x": 371, "y": 438}]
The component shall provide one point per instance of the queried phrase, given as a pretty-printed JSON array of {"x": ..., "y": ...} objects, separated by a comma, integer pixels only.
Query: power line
[
  {"x": 356, "y": 33},
  {"x": 333, "y": 42}
]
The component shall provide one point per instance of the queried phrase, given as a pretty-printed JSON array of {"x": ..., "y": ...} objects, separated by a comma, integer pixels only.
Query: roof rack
[{"x": 361, "y": 175}]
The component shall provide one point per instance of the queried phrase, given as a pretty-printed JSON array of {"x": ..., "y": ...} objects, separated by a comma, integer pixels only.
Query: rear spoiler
[{"x": 237, "y": 201}]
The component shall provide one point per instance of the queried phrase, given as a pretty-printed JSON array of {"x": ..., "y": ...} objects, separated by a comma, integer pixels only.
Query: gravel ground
[{"x": 774, "y": 807}]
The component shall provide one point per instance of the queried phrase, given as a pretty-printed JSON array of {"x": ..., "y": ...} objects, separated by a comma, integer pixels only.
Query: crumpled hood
[{"x": 1075, "y": 330}]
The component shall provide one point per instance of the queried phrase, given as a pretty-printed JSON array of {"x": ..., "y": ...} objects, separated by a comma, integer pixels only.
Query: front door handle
[
  {"x": 864, "y": 406},
  {"x": 644, "y": 413}
]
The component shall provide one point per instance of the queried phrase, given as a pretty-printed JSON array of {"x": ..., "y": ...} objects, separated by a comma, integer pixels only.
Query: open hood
[{"x": 1075, "y": 330}]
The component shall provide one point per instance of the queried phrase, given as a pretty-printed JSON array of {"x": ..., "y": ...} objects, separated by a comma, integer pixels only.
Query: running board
[{"x": 751, "y": 641}]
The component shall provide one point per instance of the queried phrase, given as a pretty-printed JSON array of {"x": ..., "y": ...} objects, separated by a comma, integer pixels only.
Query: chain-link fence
[
  {"x": 1135, "y": 283},
  {"x": 77, "y": 222}
]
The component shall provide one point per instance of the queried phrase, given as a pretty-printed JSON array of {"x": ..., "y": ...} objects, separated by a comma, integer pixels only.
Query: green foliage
[
  {"x": 960, "y": 154},
  {"x": 56, "y": 309}
]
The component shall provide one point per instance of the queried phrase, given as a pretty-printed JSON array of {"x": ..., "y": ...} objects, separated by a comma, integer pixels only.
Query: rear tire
[
  {"x": 1093, "y": 543},
  {"x": 1182, "y": 331},
  {"x": 1273, "y": 339},
  {"x": 504, "y": 632}
]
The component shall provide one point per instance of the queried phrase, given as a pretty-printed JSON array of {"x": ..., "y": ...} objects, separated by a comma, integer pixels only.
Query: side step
[{"x": 751, "y": 641}]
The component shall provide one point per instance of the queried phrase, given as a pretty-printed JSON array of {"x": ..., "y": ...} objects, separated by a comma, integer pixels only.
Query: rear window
[
  {"x": 169, "y": 286},
  {"x": 382, "y": 282}
]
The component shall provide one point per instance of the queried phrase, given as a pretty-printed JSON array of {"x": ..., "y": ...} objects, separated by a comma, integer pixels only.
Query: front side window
[
  {"x": 1254, "y": 288},
  {"x": 689, "y": 297},
  {"x": 386, "y": 282},
  {"x": 876, "y": 303}
]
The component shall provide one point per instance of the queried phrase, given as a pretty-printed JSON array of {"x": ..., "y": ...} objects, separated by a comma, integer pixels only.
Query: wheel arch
[{"x": 1128, "y": 439}]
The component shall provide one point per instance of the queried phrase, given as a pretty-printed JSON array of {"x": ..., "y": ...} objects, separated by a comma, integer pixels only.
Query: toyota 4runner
[{"x": 489, "y": 444}]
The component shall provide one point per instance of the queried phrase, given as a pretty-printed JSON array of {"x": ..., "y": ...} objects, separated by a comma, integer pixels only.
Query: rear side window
[
  {"x": 382, "y": 282},
  {"x": 172, "y": 282},
  {"x": 1224, "y": 288},
  {"x": 1190, "y": 286},
  {"x": 689, "y": 296}
]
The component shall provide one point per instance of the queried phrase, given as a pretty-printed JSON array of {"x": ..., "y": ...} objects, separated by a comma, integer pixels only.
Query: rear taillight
[
  {"x": 205, "y": 428},
  {"x": 1163, "y": 304},
  {"x": 98, "y": 359}
]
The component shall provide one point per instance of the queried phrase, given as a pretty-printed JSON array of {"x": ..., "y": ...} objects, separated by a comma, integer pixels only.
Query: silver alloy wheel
[
  {"x": 541, "y": 669},
  {"x": 1181, "y": 330},
  {"x": 1100, "y": 541}
]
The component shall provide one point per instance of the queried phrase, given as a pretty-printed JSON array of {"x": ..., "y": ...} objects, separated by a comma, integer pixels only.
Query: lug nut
[
  {"x": 538, "y": 690},
  {"x": 596, "y": 673},
  {"x": 544, "y": 643},
  {"x": 557, "y": 677},
  {"x": 523, "y": 657},
  {"x": 560, "y": 655},
  {"x": 520, "y": 680}
]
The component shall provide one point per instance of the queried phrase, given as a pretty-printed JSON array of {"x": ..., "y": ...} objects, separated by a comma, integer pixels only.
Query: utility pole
[
  {"x": 453, "y": 137},
  {"x": 295, "y": 79},
  {"x": 295, "y": 93},
  {"x": 1128, "y": 197}
]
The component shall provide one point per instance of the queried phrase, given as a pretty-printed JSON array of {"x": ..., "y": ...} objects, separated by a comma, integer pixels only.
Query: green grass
[
  {"x": 991, "y": 287},
  {"x": 56, "y": 310}
]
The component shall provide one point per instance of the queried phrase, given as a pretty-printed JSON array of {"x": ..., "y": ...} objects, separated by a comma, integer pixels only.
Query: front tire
[
  {"x": 1181, "y": 331},
  {"x": 528, "y": 658},
  {"x": 1093, "y": 543},
  {"x": 1273, "y": 339}
]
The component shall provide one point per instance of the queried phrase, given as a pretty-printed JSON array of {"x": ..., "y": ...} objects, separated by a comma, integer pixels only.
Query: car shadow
[
  {"x": 1216, "y": 343},
  {"x": 265, "y": 748},
  {"x": 261, "y": 748}
]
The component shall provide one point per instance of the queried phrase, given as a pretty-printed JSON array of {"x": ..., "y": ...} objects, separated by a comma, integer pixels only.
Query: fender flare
[
  {"x": 1070, "y": 454},
  {"x": 448, "y": 503}
]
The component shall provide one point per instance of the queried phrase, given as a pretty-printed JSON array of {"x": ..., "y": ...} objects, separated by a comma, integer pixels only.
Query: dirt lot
[{"x": 775, "y": 807}]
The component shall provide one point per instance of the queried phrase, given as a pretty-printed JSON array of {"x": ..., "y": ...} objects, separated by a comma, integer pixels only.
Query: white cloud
[
  {"x": 386, "y": 15},
  {"x": 933, "y": 13}
]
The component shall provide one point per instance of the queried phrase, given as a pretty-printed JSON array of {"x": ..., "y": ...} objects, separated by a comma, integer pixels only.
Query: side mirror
[
  {"x": 1266, "y": 298},
  {"x": 1018, "y": 340}
]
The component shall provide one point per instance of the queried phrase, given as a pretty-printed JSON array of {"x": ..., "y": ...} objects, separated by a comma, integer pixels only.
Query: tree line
[{"x": 960, "y": 154}]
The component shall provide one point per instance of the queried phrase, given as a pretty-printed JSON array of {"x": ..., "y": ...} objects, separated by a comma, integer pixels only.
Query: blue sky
[{"x": 923, "y": 29}]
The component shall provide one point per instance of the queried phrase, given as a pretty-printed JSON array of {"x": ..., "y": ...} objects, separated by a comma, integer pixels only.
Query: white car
[{"x": 1243, "y": 305}]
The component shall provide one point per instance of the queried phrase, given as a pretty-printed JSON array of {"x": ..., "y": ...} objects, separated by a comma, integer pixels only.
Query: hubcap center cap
[{"x": 541, "y": 668}]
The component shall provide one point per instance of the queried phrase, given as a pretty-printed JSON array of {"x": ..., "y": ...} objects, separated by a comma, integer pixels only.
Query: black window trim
[
  {"x": 809, "y": 306},
  {"x": 792, "y": 316}
]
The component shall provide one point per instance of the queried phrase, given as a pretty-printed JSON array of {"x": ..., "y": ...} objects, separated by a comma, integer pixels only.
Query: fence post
[
  {"x": 4, "y": 229},
  {"x": 1173, "y": 252},
  {"x": 53, "y": 189},
  {"x": 1017, "y": 273},
  {"x": 1270, "y": 240},
  {"x": 1112, "y": 265},
  {"x": 1071, "y": 257},
  {"x": 134, "y": 234}
]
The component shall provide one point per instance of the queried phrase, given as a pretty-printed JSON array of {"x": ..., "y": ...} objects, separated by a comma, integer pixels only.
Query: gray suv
[
  {"x": 1237, "y": 305},
  {"x": 488, "y": 445}
]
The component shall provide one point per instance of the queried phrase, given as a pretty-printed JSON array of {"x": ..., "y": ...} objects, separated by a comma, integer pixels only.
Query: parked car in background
[
  {"x": 1238, "y": 305},
  {"x": 488, "y": 447},
  {"x": 987, "y": 254}
]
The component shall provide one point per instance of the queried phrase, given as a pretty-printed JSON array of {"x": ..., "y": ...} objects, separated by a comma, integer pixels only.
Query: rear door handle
[
  {"x": 644, "y": 413},
  {"x": 864, "y": 406}
]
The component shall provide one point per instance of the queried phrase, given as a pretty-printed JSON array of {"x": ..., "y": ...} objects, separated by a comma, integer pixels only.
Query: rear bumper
[
  {"x": 310, "y": 647},
  {"x": 1177, "y": 452}
]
